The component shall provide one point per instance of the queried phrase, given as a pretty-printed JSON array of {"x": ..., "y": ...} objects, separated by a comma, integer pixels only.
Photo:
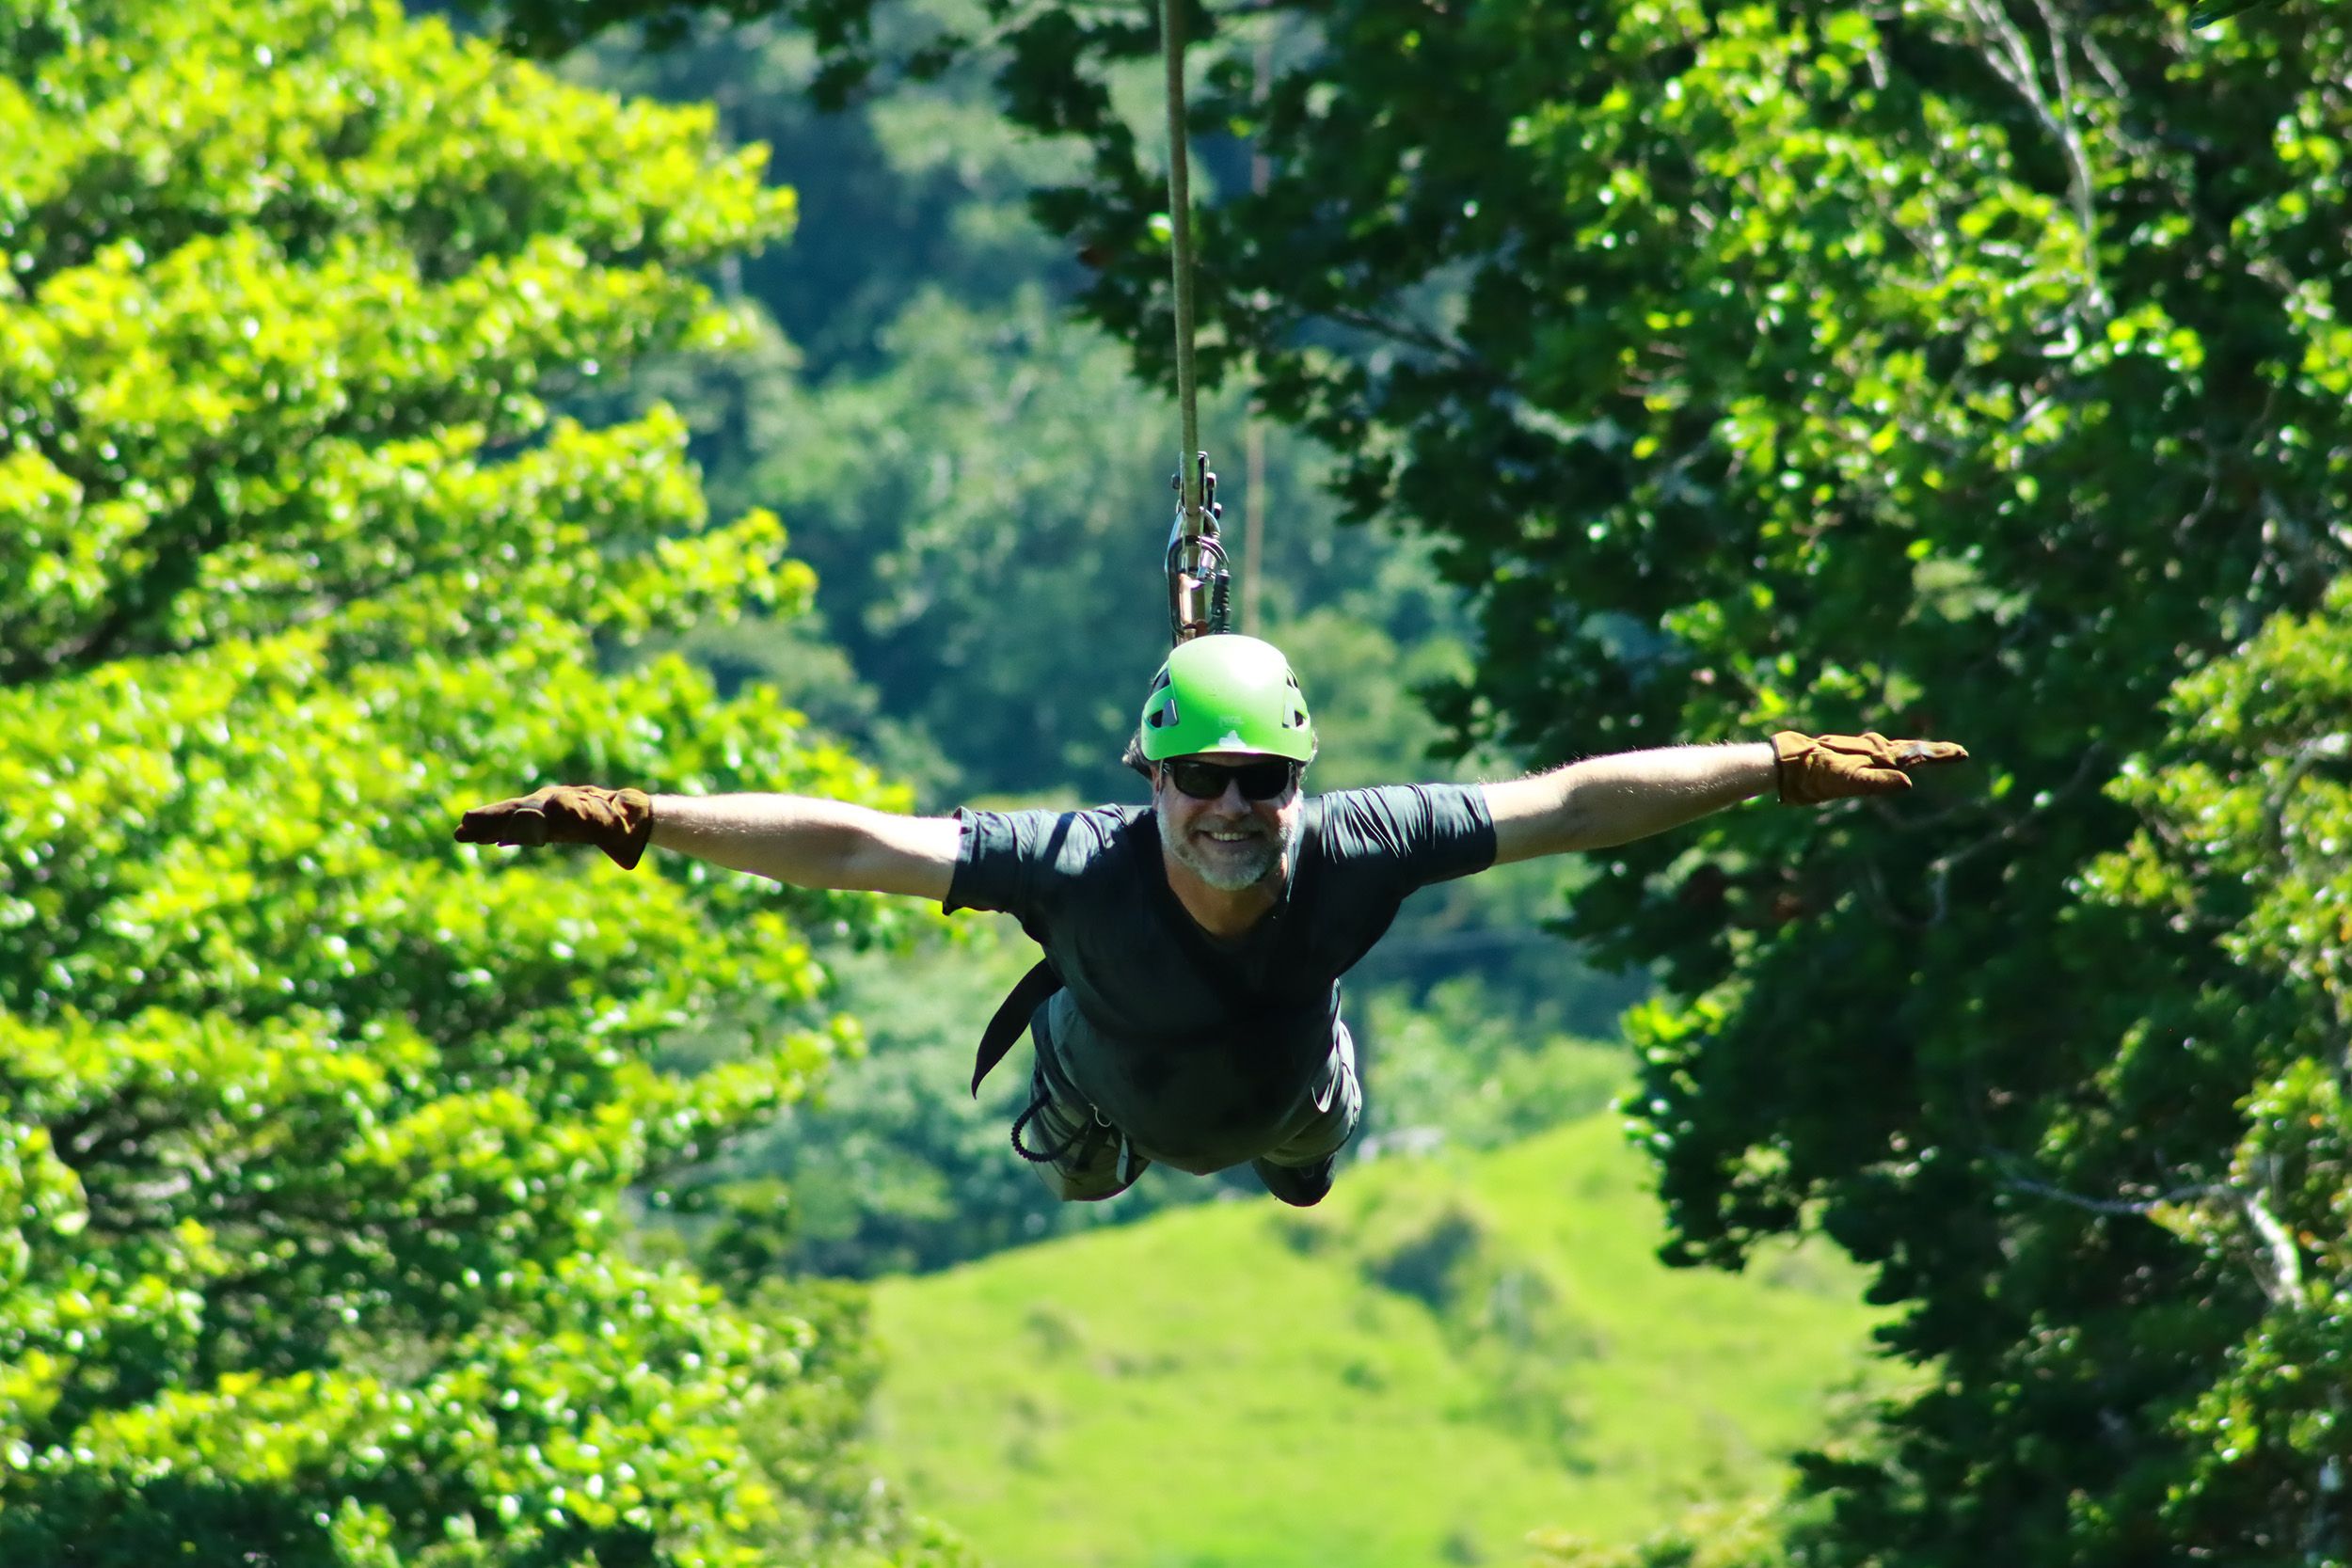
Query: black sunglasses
[{"x": 1264, "y": 780}]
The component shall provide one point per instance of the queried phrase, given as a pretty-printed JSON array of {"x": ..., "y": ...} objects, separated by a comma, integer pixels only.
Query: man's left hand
[{"x": 1817, "y": 768}]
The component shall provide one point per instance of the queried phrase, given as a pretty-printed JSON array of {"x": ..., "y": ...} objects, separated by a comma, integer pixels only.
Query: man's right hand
[
  {"x": 1812, "y": 768},
  {"x": 617, "y": 821}
]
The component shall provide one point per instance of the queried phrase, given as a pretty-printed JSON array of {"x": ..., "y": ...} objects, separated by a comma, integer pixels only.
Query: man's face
[{"x": 1229, "y": 841}]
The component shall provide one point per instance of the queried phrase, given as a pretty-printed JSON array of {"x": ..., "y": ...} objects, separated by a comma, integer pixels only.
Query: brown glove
[
  {"x": 1817, "y": 768},
  {"x": 617, "y": 821}
]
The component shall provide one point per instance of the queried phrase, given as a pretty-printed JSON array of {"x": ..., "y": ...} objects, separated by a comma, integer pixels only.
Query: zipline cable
[
  {"x": 1180, "y": 251},
  {"x": 1200, "y": 586}
]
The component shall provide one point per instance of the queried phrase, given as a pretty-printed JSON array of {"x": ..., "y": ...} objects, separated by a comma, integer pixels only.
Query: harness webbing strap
[
  {"x": 1038, "y": 1102},
  {"x": 1012, "y": 1017}
]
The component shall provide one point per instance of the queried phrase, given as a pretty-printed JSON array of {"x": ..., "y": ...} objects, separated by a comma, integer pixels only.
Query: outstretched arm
[
  {"x": 812, "y": 843},
  {"x": 1614, "y": 800},
  {"x": 790, "y": 838}
]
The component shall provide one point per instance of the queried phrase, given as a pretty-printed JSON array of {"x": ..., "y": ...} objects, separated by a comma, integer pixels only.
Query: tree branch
[
  {"x": 2325, "y": 748},
  {"x": 2282, "y": 1280},
  {"x": 2012, "y": 61}
]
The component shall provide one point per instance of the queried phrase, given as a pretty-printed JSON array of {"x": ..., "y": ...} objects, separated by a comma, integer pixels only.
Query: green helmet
[{"x": 1226, "y": 693}]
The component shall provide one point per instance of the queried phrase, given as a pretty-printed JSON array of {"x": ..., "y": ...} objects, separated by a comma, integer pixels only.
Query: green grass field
[{"x": 1442, "y": 1357}]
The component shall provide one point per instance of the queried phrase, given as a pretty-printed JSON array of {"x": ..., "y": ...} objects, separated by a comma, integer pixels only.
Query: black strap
[
  {"x": 1012, "y": 1017},
  {"x": 1077, "y": 1135}
]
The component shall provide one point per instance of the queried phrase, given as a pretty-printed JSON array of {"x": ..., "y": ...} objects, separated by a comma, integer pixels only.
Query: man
[{"x": 1187, "y": 1010}]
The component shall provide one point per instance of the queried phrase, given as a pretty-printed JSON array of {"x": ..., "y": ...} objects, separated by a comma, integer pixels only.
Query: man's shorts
[{"x": 1092, "y": 1161}]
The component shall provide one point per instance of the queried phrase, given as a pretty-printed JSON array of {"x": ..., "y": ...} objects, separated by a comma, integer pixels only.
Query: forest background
[{"x": 1975, "y": 369}]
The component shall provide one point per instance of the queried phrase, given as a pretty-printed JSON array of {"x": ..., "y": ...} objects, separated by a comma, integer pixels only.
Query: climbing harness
[
  {"x": 1082, "y": 1140},
  {"x": 1039, "y": 1099},
  {"x": 1012, "y": 1019}
]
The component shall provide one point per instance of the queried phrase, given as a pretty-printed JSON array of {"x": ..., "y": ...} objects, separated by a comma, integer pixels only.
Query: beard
[{"x": 1229, "y": 865}]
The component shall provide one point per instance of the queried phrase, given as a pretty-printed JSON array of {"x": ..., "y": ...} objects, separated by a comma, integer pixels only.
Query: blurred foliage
[
  {"x": 905, "y": 197},
  {"x": 1446, "y": 1067},
  {"x": 314, "y": 1125}
]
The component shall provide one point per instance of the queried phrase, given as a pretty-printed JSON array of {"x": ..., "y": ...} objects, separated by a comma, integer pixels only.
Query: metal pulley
[{"x": 1199, "y": 584}]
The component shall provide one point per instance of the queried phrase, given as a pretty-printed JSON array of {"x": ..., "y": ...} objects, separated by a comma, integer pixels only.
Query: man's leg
[{"x": 1298, "y": 1169}]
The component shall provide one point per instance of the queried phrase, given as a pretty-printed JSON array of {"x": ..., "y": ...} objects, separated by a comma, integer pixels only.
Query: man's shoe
[{"x": 1300, "y": 1186}]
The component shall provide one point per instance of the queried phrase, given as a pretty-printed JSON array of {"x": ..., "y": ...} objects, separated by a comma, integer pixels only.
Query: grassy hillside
[{"x": 1439, "y": 1359}]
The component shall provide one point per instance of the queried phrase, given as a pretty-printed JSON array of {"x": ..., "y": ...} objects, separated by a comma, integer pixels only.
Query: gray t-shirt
[{"x": 1203, "y": 1050}]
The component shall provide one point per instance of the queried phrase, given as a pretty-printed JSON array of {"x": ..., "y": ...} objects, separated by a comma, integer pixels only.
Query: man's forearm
[
  {"x": 1633, "y": 794},
  {"x": 808, "y": 842},
  {"x": 1608, "y": 800}
]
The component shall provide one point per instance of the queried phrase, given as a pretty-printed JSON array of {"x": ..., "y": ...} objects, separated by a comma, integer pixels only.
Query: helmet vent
[{"x": 1159, "y": 716}]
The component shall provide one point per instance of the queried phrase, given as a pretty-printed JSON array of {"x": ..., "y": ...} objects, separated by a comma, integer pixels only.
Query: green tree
[
  {"x": 314, "y": 1126},
  {"x": 2218, "y": 1142},
  {"x": 900, "y": 196}
]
